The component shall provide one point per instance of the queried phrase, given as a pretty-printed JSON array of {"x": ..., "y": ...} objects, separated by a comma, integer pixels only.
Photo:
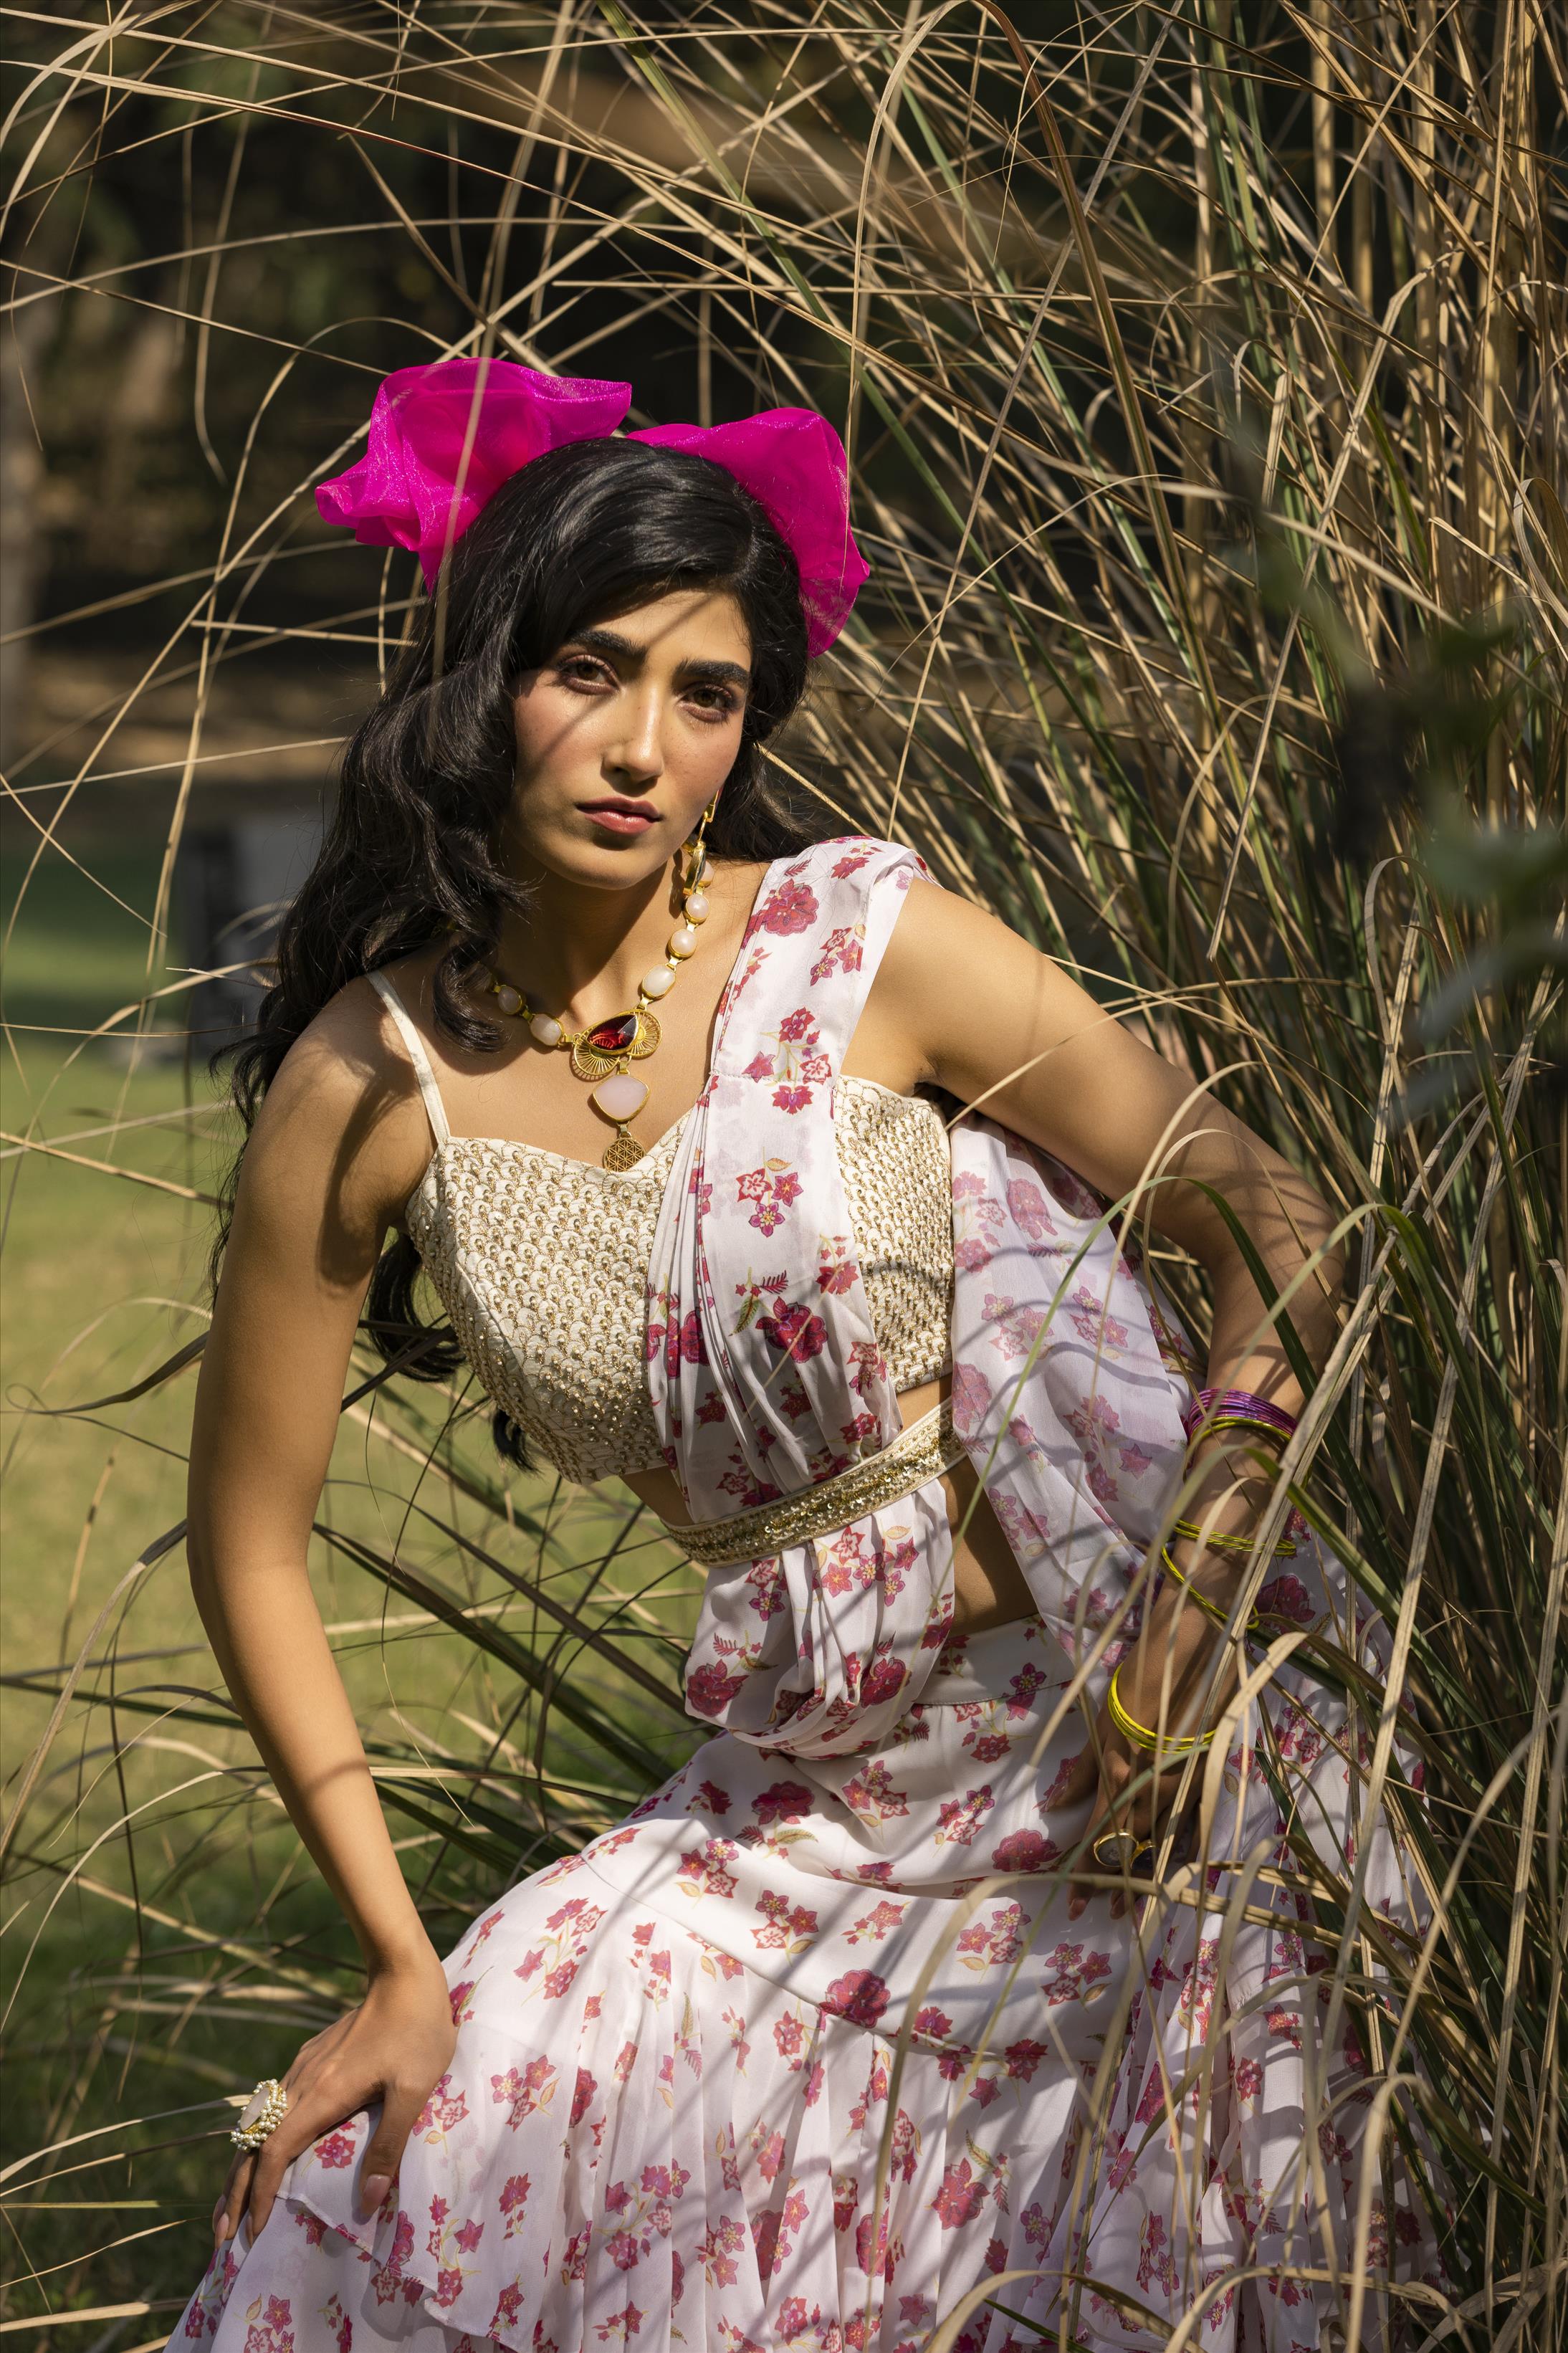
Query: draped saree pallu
[{"x": 807, "y": 2053}]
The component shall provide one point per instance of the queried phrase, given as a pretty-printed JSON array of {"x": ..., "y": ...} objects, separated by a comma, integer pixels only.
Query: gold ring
[
  {"x": 1127, "y": 1845},
  {"x": 261, "y": 2114}
]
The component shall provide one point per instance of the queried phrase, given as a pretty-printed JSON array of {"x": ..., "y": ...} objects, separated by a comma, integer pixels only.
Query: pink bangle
[{"x": 1215, "y": 1410}]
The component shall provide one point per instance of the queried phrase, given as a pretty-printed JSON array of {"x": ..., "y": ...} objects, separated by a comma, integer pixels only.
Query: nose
[{"x": 635, "y": 756}]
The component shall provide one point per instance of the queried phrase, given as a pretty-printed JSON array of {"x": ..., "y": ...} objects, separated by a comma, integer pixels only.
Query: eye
[
  {"x": 584, "y": 670},
  {"x": 713, "y": 698}
]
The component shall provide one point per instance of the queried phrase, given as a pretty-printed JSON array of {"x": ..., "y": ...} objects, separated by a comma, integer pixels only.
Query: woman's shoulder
[
  {"x": 356, "y": 1041},
  {"x": 347, "y": 1091}
]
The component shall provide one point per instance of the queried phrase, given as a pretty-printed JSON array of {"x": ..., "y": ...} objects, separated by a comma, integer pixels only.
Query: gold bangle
[
  {"x": 1142, "y": 1736},
  {"x": 261, "y": 2114},
  {"x": 1200, "y": 1601},
  {"x": 1218, "y": 1541}
]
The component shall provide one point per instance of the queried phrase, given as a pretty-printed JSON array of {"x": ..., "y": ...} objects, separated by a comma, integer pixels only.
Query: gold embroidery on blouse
[{"x": 541, "y": 1264}]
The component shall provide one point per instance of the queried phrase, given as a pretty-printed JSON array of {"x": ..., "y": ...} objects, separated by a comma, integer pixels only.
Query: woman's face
[{"x": 625, "y": 736}]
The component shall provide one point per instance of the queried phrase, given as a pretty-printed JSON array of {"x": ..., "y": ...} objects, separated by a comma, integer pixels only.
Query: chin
[{"x": 605, "y": 861}]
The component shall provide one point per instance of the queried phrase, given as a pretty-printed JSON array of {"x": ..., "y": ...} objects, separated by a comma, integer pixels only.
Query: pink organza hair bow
[{"x": 444, "y": 437}]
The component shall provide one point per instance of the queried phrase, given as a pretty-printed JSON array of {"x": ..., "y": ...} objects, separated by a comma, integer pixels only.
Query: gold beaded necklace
[{"x": 600, "y": 1054}]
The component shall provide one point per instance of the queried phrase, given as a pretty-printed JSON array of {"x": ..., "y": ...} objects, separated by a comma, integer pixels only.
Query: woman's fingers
[
  {"x": 315, "y": 2110},
  {"x": 1083, "y": 1778},
  {"x": 1126, "y": 1799},
  {"x": 231, "y": 2204},
  {"x": 1111, "y": 1781},
  {"x": 401, "y": 2103}
]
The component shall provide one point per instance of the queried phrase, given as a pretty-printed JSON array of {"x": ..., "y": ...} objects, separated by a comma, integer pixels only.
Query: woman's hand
[
  {"x": 1171, "y": 1664},
  {"x": 393, "y": 2047}
]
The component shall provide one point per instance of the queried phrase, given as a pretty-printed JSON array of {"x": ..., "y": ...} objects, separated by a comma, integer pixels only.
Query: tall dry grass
[{"x": 1202, "y": 373}]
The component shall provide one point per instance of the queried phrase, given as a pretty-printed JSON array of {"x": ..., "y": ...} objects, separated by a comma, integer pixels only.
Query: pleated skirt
[{"x": 677, "y": 2114}]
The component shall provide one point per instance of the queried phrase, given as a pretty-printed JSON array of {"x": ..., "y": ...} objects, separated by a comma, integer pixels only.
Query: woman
[{"x": 874, "y": 2011}]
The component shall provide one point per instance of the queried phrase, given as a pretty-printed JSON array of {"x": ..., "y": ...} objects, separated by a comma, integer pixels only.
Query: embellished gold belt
[{"x": 918, "y": 1455}]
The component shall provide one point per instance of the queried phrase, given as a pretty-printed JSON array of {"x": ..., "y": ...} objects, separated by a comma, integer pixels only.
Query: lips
[{"x": 619, "y": 816}]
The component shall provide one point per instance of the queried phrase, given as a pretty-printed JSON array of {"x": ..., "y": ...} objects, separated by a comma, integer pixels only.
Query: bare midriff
[{"x": 988, "y": 1585}]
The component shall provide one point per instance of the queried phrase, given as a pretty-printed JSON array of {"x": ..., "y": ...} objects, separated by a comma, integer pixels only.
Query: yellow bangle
[
  {"x": 1217, "y": 1541},
  {"x": 1200, "y": 1601},
  {"x": 1140, "y": 1736}
]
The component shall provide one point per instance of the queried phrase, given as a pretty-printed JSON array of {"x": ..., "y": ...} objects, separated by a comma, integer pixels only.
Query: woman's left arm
[
  {"x": 980, "y": 1012},
  {"x": 1003, "y": 1027}
]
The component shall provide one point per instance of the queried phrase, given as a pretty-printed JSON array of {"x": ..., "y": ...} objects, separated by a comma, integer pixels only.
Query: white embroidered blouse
[{"x": 541, "y": 1264}]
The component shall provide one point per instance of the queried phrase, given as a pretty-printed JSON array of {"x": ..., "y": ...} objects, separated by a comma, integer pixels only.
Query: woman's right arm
[{"x": 339, "y": 1143}]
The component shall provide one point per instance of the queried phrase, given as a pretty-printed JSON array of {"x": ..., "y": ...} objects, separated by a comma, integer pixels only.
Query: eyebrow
[{"x": 610, "y": 641}]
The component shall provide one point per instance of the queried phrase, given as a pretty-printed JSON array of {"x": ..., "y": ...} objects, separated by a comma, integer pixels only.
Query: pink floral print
[{"x": 768, "y": 1192}]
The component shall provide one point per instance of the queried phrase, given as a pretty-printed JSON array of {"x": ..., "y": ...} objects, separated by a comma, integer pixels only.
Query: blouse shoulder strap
[{"x": 430, "y": 1093}]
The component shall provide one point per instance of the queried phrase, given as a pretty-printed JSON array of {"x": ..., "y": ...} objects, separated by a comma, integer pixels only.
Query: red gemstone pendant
[
  {"x": 627, "y": 1036},
  {"x": 613, "y": 1037}
]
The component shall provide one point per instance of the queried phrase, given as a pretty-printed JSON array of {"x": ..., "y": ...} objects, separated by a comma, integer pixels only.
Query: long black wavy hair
[{"x": 408, "y": 856}]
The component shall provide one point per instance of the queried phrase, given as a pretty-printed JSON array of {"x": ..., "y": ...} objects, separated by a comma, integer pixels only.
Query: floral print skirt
[{"x": 677, "y": 2114}]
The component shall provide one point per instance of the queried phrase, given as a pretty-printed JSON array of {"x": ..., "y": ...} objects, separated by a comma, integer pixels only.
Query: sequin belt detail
[{"x": 918, "y": 1455}]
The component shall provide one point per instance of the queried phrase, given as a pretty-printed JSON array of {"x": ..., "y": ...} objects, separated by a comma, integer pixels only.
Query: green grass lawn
[
  {"x": 100, "y": 1274},
  {"x": 101, "y": 1277},
  {"x": 77, "y": 949}
]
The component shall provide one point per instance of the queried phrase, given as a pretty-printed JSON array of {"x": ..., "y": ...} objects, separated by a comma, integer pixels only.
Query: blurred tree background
[{"x": 1203, "y": 372}]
